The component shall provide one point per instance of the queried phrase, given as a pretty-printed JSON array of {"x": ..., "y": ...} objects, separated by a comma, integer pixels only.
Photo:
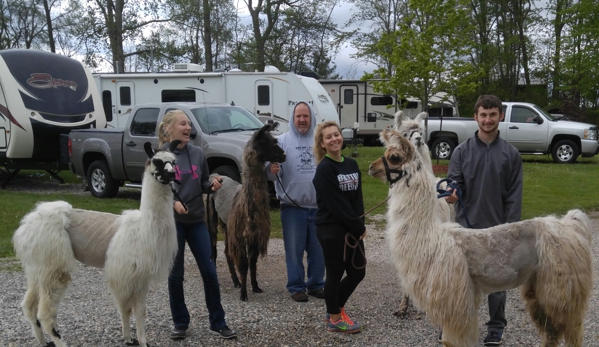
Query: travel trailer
[
  {"x": 43, "y": 95},
  {"x": 268, "y": 95},
  {"x": 358, "y": 105}
]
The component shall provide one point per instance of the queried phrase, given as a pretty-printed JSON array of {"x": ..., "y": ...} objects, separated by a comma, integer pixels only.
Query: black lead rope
[
  {"x": 453, "y": 185},
  {"x": 208, "y": 191}
]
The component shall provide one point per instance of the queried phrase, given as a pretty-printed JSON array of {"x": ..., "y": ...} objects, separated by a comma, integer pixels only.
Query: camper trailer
[
  {"x": 43, "y": 95},
  {"x": 269, "y": 95},
  {"x": 358, "y": 105}
]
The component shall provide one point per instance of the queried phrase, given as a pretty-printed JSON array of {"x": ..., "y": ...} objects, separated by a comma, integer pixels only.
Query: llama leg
[
  {"x": 549, "y": 335},
  {"x": 48, "y": 309},
  {"x": 30, "y": 306},
  {"x": 243, "y": 273},
  {"x": 403, "y": 306},
  {"x": 231, "y": 264},
  {"x": 253, "y": 271},
  {"x": 125, "y": 309},
  {"x": 140, "y": 317}
]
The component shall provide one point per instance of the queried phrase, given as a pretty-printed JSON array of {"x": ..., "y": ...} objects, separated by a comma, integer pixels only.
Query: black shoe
[
  {"x": 494, "y": 338},
  {"x": 299, "y": 297},
  {"x": 178, "y": 334},
  {"x": 224, "y": 332},
  {"x": 318, "y": 293}
]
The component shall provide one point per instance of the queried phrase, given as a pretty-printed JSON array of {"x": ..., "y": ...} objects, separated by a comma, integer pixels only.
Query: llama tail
[
  {"x": 43, "y": 246},
  {"x": 580, "y": 222}
]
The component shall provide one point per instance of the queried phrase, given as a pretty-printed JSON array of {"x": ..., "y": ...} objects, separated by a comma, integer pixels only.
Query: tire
[
  {"x": 564, "y": 152},
  {"x": 442, "y": 148},
  {"x": 100, "y": 181},
  {"x": 229, "y": 171}
]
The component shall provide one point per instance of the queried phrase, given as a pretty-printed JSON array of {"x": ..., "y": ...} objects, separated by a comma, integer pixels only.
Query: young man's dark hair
[{"x": 487, "y": 102}]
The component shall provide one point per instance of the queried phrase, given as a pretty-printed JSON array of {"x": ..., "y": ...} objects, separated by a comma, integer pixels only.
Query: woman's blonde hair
[
  {"x": 319, "y": 151},
  {"x": 168, "y": 120}
]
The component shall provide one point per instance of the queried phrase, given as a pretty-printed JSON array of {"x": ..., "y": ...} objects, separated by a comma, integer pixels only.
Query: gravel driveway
[{"x": 88, "y": 317}]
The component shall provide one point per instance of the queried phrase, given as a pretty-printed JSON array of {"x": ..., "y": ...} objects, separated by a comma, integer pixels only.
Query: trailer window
[
  {"x": 440, "y": 112},
  {"x": 107, "y": 104},
  {"x": 144, "y": 122},
  {"x": 408, "y": 104},
  {"x": 263, "y": 95},
  {"x": 178, "y": 95},
  {"x": 125, "y": 96},
  {"x": 348, "y": 96},
  {"x": 381, "y": 100}
]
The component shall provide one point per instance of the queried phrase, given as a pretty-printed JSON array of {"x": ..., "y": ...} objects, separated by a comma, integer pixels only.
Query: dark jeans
[
  {"x": 497, "y": 319},
  {"x": 198, "y": 239},
  {"x": 338, "y": 289}
]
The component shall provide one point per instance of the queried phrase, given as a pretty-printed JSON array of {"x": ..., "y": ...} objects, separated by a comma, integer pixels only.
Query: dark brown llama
[{"x": 247, "y": 227}]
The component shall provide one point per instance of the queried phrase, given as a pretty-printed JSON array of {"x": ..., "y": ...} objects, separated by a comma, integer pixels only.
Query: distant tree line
[{"x": 543, "y": 51}]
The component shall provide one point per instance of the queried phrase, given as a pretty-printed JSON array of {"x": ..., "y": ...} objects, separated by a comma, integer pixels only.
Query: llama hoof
[
  {"x": 50, "y": 344},
  {"x": 257, "y": 290},
  {"x": 133, "y": 343},
  {"x": 237, "y": 285},
  {"x": 243, "y": 297}
]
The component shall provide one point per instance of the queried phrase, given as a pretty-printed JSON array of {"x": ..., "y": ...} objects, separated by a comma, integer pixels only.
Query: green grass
[{"x": 548, "y": 189}]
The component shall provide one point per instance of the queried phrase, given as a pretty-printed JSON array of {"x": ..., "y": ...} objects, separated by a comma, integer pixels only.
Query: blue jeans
[
  {"x": 299, "y": 235},
  {"x": 198, "y": 240}
]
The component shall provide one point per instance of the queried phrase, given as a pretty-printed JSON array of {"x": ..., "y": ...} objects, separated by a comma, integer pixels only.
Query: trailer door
[
  {"x": 125, "y": 100},
  {"x": 263, "y": 98},
  {"x": 348, "y": 106}
]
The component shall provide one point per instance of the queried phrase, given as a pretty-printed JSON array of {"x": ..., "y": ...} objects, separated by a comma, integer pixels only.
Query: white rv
[
  {"x": 269, "y": 95},
  {"x": 43, "y": 95},
  {"x": 356, "y": 102}
]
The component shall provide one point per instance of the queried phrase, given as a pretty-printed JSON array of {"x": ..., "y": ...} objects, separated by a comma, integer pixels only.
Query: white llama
[
  {"x": 447, "y": 269},
  {"x": 135, "y": 249}
]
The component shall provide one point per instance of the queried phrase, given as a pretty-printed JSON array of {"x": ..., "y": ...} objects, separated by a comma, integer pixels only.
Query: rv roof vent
[
  {"x": 188, "y": 67},
  {"x": 271, "y": 69}
]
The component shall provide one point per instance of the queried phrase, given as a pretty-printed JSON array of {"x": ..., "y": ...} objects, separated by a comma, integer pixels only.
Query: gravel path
[{"x": 88, "y": 317}]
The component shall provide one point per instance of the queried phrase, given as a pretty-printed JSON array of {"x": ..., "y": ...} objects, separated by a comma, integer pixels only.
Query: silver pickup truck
[
  {"x": 107, "y": 158},
  {"x": 526, "y": 126}
]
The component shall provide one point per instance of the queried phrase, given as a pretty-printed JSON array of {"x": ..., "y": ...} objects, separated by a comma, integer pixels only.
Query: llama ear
[
  {"x": 148, "y": 148},
  {"x": 421, "y": 116},
  {"x": 397, "y": 120},
  {"x": 173, "y": 145},
  {"x": 384, "y": 136}
]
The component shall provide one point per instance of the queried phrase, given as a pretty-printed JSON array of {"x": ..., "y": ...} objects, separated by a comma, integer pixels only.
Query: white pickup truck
[{"x": 526, "y": 126}]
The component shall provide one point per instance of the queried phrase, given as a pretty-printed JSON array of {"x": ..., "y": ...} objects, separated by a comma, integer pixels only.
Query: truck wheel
[
  {"x": 229, "y": 171},
  {"x": 564, "y": 152},
  {"x": 100, "y": 181},
  {"x": 442, "y": 148}
]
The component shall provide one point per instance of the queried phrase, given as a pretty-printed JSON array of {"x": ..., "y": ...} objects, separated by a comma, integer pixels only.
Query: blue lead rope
[{"x": 443, "y": 193}]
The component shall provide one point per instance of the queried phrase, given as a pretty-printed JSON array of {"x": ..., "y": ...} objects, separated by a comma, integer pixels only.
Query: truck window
[
  {"x": 144, "y": 122},
  {"x": 381, "y": 101},
  {"x": 178, "y": 95},
  {"x": 522, "y": 115},
  {"x": 125, "y": 96},
  {"x": 107, "y": 104},
  {"x": 263, "y": 95},
  {"x": 348, "y": 96}
]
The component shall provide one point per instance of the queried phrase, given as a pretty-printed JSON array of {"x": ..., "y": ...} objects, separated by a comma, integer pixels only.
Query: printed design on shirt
[
  {"x": 193, "y": 171},
  {"x": 306, "y": 159},
  {"x": 348, "y": 182}
]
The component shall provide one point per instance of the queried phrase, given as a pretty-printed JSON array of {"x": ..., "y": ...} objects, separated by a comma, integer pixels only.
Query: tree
[{"x": 428, "y": 52}]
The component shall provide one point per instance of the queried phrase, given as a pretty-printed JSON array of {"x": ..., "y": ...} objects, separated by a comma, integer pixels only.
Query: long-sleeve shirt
[
  {"x": 338, "y": 188},
  {"x": 490, "y": 177}
]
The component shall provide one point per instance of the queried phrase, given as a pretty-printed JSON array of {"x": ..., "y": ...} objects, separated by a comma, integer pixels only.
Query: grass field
[{"x": 548, "y": 189}]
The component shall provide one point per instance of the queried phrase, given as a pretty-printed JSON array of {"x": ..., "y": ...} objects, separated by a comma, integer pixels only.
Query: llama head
[
  {"x": 398, "y": 152},
  {"x": 161, "y": 164},
  {"x": 410, "y": 128},
  {"x": 264, "y": 146}
]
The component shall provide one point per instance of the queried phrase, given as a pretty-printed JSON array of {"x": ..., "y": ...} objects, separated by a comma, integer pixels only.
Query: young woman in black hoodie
[{"x": 339, "y": 225}]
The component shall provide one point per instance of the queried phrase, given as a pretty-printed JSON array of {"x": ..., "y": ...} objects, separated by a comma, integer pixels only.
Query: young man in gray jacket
[
  {"x": 488, "y": 171},
  {"x": 293, "y": 184}
]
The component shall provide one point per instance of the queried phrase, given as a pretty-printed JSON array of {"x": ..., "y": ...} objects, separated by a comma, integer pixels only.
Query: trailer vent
[{"x": 188, "y": 67}]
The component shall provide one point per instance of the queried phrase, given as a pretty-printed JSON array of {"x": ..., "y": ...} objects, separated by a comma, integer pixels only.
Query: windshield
[
  {"x": 544, "y": 113},
  {"x": 218, "y": 119}
]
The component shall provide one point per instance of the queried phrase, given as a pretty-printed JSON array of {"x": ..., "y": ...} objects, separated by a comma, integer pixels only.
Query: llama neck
[
  {"x": 254, "y": 184},
  {"x": 156, "y": 201}
]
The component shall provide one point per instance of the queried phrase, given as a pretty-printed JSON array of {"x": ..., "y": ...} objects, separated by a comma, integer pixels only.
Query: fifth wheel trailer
[
  {"x": 356, "y": 102},
  {"x": 43, "y": 95},
  {"x": 268, "y": 95}
]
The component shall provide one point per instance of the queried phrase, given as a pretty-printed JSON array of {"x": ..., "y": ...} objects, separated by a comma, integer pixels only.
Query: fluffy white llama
[
  {"x": 447, "y": 269},
  {"x": 413, "y": 131},
  {"x": 136, "y": 248}
]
